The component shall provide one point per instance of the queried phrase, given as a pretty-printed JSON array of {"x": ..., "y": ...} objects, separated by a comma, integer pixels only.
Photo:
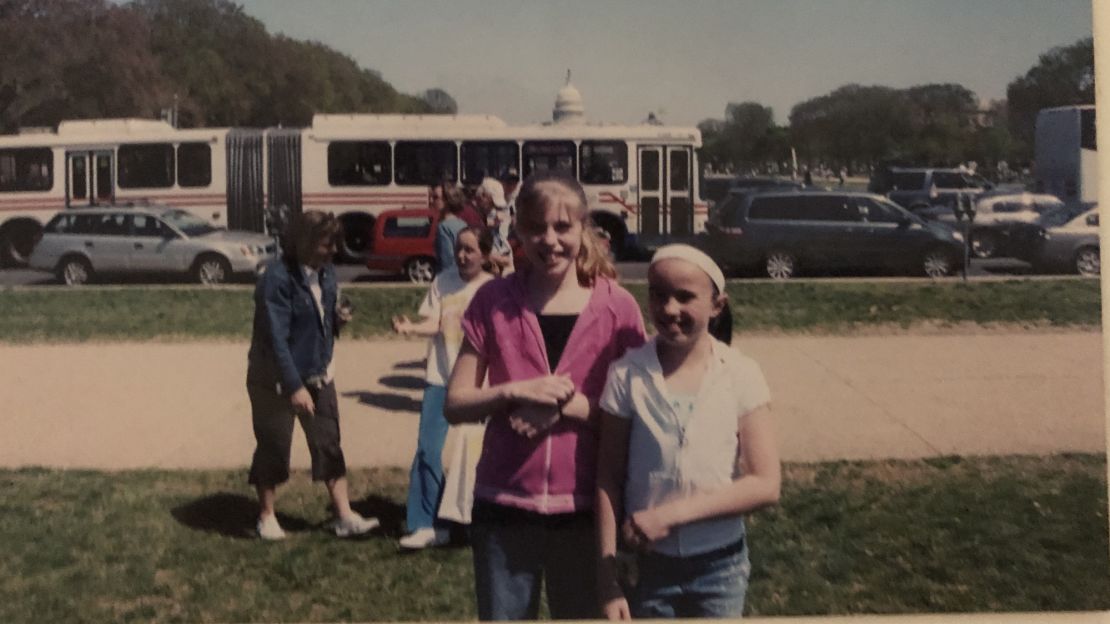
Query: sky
[{"x": 684, "y": 60}]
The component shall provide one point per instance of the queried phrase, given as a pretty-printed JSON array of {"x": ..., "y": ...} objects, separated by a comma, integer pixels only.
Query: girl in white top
[
  {"x": 442, "y": 311},
  {"x": 687, "y": 447}
]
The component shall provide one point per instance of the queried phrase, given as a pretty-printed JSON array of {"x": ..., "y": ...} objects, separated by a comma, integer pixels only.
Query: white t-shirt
[
  {"x": 446, "y": 300},
  {"x": 681, "y": 444},
  {"x": 312, "y": 276}
]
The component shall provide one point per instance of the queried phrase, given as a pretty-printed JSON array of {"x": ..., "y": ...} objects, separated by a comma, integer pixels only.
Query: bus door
[
  {"x": 680, "y": 198},
  {"x": 666, "y": 193},
  {"x": 89, "y": 178},
  {"x": 651, "y": 191}
]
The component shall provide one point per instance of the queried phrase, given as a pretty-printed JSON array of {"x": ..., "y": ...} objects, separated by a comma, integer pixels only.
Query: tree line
[
  {"x": 858, "y": 127},
  {"x": 207, "y": 59}
]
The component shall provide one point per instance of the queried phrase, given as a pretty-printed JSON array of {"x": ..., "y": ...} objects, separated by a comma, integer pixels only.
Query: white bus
[
  {"x": 640, "y": 179},
  {"x": 1065, "y": 156}
]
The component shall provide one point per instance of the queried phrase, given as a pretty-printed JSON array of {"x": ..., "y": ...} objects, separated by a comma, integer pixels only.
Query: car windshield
[
  {"x": 189, "y": 224},
  {"x": 1057, "y": 216}
]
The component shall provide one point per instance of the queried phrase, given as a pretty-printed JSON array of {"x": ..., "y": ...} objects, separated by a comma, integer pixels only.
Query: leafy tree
[
  {"x": 439, "y": 101},
  {"x": 1062, "y": 76},
  {"x": 67, "y": 59}
]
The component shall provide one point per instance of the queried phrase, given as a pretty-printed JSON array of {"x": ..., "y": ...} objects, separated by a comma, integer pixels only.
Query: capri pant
[{"x": 273, "y": 416}]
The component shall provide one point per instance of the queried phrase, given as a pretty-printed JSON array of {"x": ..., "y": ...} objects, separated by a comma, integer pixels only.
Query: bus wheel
[
  {"x": 357, "y": 232},
  {"x": 616, "y": 231},
  {"x": 17, "y": 239}
]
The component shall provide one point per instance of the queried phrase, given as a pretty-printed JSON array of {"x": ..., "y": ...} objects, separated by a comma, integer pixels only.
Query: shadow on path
[
  {"x": 387, "y": 401},
  {"x": 402, "y": 382}
]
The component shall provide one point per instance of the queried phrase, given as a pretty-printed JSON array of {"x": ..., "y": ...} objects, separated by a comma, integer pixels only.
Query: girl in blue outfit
[{"x": 687, "y": 447}]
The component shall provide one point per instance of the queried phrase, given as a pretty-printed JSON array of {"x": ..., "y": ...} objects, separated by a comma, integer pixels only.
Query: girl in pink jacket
[{"x": 543, "y": 338}]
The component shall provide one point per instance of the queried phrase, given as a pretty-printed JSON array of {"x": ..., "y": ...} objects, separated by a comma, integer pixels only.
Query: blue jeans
[
  {"x": 709, "y": 585},
  {"x": 516, "y": 550},
  {"x": 426, "y": 475}
]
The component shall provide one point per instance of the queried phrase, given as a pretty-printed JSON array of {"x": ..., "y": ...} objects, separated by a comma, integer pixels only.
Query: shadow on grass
[
  {"x": 402, "y": 382},
  {"x": 388, "y": 512},
  {"x": 386, "y": 401},
  {"x": 233, "y": 515}
]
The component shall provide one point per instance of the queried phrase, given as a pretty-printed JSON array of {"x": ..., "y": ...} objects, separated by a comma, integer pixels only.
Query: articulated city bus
[
  {"x": 639, "y": 179},
  {"x": 1065, "y": 156}
]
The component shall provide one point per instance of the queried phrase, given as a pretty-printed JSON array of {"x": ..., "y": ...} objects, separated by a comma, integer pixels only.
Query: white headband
[{"x": 694, "y": 256}]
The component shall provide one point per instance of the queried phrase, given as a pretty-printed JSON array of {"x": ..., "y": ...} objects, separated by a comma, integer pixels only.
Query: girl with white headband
[{"x": 687, "y": 447}]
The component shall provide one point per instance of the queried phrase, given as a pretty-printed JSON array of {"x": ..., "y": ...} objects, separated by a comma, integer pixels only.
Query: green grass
[
  {"x": 999, "y": 534},
  {"x": 142, "y": 313}
]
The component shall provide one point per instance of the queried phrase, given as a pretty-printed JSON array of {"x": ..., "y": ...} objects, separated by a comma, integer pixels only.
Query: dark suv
[
  {"x": 919, "y": 188},
  {"x": 779, "y": 233}
]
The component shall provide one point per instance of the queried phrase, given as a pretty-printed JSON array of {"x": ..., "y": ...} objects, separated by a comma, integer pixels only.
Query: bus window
[
  {"x": 359, "y": 163},
  {"x": 146, "y": 165},
  {"x": 549, "y": 156},
  {"x": 425, "y": 162},
  {"x": 26, "y": 169},
  {"x": 1087, "y": 128},
  {"x": 482, "y": 159},
  {"x": 603, "y": 162},
  {"x": 194, "y": 164}
]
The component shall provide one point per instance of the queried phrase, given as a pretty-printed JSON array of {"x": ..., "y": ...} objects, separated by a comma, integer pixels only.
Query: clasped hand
[
  {"x": 537, "y": 403},
  {"x": 644, "y": 528}
]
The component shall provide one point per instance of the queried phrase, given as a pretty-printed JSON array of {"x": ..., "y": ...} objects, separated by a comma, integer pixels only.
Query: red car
[{"x": 403, "y": 241}]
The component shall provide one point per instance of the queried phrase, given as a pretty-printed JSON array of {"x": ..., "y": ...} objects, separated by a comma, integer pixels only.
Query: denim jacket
[{"x": 289, "y": 342}]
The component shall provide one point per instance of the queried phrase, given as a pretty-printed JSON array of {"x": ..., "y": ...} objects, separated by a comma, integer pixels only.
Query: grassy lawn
[
  {"x": 140, "y": 313},
  {"x": 998, "y": 534}
]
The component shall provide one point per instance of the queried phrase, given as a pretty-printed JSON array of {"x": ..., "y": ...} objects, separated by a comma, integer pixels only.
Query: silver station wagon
[{"x": 81, "y": 244}]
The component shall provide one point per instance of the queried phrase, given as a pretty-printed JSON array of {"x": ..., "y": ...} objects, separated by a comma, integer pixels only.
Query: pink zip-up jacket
[{"x": 555, "y": 472}]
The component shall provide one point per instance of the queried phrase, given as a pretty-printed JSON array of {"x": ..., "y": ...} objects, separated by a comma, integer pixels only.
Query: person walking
[
  {"x": 290, "y": 371},
  {"x": 687, "y": 448},
  {"x": 545, "y": 336},
  {"x": 441, "y": 313}
]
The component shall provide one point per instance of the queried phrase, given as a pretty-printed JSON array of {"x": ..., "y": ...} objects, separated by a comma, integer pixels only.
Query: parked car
[
  {"x": 917, "y": 188},
  {"x": 404, "y": 241},
  {"x": 79, "y": 245},
  {"x": 997, "y": 214},
  {"x": 780, "y": 233},
  {"x": 1061, "y": 239}
]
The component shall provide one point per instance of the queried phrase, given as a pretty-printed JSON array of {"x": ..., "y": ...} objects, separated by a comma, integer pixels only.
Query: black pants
[{"x": 272, "y": 416}]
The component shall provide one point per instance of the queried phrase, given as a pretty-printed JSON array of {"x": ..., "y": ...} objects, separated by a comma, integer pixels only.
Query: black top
[{"x": 556, "y": 330}]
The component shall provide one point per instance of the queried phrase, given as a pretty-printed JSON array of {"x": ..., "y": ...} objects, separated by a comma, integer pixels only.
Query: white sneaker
[
  {"x": 426, "y": 538},
  {"x": 353, "y": 525},
  {"x": 269, "y": 529}
]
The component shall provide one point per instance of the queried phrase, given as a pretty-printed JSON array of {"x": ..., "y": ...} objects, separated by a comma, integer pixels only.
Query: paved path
[{"x": 115, "y": 406}]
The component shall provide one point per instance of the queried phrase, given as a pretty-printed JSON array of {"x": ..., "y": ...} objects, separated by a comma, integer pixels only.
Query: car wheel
[
  {"x": 937, "y": 263},
  {"x": 420, "y": 270},
  {"x": 780, "y": 265},
  {"x": 984, "y": 244},
  {"x": 211, "y": 269},
  {"x": 74, "y": 271},
  {"x": 1087, "y": 261}
]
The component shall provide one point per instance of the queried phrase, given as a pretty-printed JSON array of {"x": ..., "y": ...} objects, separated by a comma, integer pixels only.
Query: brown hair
[
  {"x": 485, "y": 246},
  {"x": 306, "y": 230},
  {"x": 592, "y": 260},
  {"x": 453, "y": 199}
]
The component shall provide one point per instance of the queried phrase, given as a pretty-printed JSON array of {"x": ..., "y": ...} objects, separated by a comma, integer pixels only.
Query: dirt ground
[{"x": 184, "y": 405}]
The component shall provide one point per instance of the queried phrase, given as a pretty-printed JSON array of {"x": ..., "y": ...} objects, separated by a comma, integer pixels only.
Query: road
[
  {"x": 349, "y": 273},
  {"x": 184, "y": 405}
]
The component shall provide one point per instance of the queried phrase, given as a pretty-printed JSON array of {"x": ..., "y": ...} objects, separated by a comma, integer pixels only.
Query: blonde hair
[{"x": 592, "y": 261}]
